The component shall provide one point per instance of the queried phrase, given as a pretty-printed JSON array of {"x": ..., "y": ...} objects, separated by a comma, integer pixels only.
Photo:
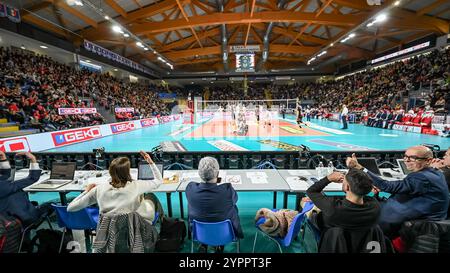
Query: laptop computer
[
  {"x": 145, "y": 172},
  {"x": 62, "y": 173},
  {"x": 370, "y": 163},
  {"x": 402, "y": 165}
]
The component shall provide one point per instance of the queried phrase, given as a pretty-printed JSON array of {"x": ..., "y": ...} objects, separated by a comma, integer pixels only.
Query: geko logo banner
[
  {"x": 149, "y": 122},
  {"x": 165, "y": 119},
  {"x": 19, "y": 144},
  {"x": 73, "y": 136},
  {"x": 122, "y": 127}
]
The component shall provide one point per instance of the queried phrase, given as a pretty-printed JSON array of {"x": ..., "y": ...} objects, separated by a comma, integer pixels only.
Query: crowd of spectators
[
  {"x": 33, "y": 87},
  {"x": 386, "y": 87}
]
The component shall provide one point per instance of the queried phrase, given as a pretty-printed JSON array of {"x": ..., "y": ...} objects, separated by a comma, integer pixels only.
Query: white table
[
  {"x": 299, "y": 186},
  {"x": 249, "y": 180},
  {"x": 83, "y": 178}
]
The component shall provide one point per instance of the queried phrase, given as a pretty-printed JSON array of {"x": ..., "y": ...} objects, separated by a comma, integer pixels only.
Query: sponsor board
[
  {"x": 328, "y": 130},
  {"x": 407, "y": 128},
  {"x": 225, "y": 145},
  {"x": 165, "y": 119},
  {"x": 124, "y": 110},
  {"x": 440, "y": 127},
  {"x": 149, "y": 122},
  {"x": 172, "y": 146},
  {"x": 292, "y": 130},
  {"x": 19, "y": 144},
  {"x": 62, "y": 138},
  {"x": 388, "y": 135},
  {"x": 122, "y": 127},
  {"x": 181, "y": 130},
  {"x": 76, "y": 111},
  {"x": 280, "y": 145},
  {"x": 341, "y": 145}
]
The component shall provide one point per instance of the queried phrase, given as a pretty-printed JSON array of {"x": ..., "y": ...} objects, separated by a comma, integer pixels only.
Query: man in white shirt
[{"x": 344, "y": 115}]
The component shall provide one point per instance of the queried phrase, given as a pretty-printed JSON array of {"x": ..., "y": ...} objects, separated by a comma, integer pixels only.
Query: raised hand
[
  {"x": 336, "y": 177},
  {"x": 29, "y": 155},
  {"x": 146, "y": 157},
  {"x": 352, "y": 162}
]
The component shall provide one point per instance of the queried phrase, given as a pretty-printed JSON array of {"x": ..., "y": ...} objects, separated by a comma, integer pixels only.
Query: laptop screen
[
  {"x": 145, "y": 172},
  {"x": 370, "y": 163},
  {"x": 63, "y": 170},
  {"x": 402, "y": 165}
]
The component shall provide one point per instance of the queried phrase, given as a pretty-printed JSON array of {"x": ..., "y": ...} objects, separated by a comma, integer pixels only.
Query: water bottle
[
  {"x": 330, "y": 167},
  {"x": 320, "y": 170}
]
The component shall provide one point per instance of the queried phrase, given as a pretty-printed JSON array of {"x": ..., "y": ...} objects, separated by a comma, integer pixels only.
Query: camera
[{"x": 99, "y": 151}]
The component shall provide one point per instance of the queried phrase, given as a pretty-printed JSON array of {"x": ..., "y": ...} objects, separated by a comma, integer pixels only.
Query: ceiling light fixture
[{"x": 43, "y": 46}]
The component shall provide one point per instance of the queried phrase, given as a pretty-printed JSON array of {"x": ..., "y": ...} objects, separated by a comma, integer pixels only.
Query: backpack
[
  {"x": 171, "y": 236},
  {"x": 10, "y": 234},
  {"x": 48, "y": 241}
]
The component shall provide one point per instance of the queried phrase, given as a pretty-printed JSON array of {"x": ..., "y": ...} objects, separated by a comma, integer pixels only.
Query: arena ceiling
[{"x": 193, "y": 34}]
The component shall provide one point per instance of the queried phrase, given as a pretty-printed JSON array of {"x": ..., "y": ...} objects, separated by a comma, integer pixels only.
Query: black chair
[
  {"x": 233, "y": 162},
  {"x": 279, "y": 161},
  {"x": 35, "y": 225},
  {"x": 368, "y": 240},
  {"x": 424, "y": 236},
  {"x": 188, "y": 160}
]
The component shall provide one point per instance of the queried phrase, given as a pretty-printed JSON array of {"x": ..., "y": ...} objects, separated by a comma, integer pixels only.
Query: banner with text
[
  {"x": 76, "y": 111},
  {"x": 124, "y": 110}
]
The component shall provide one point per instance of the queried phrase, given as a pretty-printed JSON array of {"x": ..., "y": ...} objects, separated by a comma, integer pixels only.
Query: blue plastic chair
[
  {"x": 156, "y": 219},
  {"x": 213, "y": 233},
  {"x": 85, "y": 219},
  {"x": 292, "y": 232}
]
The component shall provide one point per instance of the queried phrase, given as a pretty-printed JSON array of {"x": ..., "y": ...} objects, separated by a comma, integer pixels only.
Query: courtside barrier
[{"x": 56, "y": 139}]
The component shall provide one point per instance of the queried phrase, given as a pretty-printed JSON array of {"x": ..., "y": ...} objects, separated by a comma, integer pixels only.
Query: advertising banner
[
  {"x": 50, "y": 140},
  {"x": 124, "y": 110},
  {"x": 76, "y": 111}
]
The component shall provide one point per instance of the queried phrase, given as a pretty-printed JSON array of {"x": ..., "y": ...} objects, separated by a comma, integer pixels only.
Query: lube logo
[
  {"x": 373, "y": 247},
  {"x": 73, "y": 247},
  {"x": 374, "y": 2}
]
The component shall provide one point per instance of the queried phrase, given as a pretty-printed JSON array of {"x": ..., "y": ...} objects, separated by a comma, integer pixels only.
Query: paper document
[
  {"x": 190, "y": 175},
  {"x": 259, "y": 180},
  {"x": 296, "y": 172},
  {"x": 256, "y": 174},
  {"x": 233, "y": 179}
]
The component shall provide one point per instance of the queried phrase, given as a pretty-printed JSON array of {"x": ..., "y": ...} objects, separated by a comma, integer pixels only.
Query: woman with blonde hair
[{"x": 121, "y": 195}]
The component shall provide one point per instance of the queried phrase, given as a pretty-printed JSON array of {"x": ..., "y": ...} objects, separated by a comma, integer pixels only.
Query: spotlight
[
  {"x": 381, "y": 18},
  {"x": 117, "y": 29}
]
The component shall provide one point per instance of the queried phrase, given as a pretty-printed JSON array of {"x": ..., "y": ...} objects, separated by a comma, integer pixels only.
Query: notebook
[
  {"x": 146, "y": 173},
  {"x": 370, "y": 163},
  {"x": 62, "y": 173}
]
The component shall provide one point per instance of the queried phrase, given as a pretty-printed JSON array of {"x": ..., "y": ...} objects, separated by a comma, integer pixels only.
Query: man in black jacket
[
  {"x": 13, "y": 200},
  {"x": 354, "y": 211}
]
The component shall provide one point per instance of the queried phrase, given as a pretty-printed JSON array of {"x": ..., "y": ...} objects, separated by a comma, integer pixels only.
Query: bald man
[{"x": 422, "y": 194}]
